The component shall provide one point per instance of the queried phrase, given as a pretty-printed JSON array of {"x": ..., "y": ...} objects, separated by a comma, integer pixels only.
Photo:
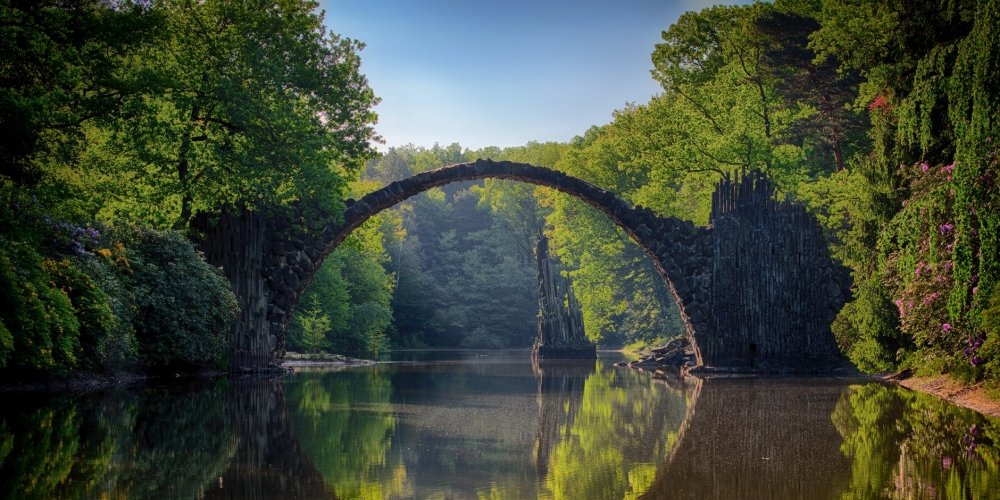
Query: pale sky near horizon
[{"x": 502, "y": 73}]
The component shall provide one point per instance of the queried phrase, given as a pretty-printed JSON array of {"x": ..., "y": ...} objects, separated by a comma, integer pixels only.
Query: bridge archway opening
[{"x": 638, "y": 223}]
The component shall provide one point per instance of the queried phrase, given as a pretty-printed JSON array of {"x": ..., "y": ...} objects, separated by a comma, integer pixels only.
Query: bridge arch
[
  {"x": 641, "y": 225},
  {"x": 756, "y": 289}
]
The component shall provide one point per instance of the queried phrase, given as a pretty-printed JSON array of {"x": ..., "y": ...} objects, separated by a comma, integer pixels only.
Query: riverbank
[
  {"x": 976, "y": 396},
  {"x": 84, "y": 382},
  {"x": 299, "y": 360},
  {"x": 75, "y": 384},
  {"x": 677, "y": 356}
]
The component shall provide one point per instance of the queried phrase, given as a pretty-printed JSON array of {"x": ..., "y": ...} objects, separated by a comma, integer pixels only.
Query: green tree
[
  {"x": 61, "y": 69},
  {"x": 926, "y": 199},
  {"x": 255, "y": 103},
  {"x": 315, "y": 326}
]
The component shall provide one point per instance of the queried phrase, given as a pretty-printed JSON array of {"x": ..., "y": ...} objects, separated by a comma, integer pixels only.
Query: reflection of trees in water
[
  {"x": 152, "y": 443},
  {"x": 609, "y": 437},
  {"x": 911, "y": 445},
  {"x": 269, "y": 462},
  {"x": 345, "y": 423},
  {"x": 466, "y": 428},
  {"x": 560, "y": 392},
  {"x": 773, "y": 438}
]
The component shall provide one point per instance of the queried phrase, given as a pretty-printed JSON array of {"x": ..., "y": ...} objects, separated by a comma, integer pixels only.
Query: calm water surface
[{"x": 490, "y": 424}]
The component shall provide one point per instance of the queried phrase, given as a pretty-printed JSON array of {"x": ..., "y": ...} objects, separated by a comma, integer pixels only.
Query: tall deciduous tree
[
  {"x": 63, "y": 69},
  {"x": 253, "y": 103}
]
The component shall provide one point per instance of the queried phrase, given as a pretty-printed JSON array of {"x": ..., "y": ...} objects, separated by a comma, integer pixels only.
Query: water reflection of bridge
[
  {"x": 269, "y": 463},
  {"x": 757, "y": 438},
  {"x": 580, "y": 431}
]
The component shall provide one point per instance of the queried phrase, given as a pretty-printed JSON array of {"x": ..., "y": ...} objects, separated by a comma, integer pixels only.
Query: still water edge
[{"x": 490, "y": 424}]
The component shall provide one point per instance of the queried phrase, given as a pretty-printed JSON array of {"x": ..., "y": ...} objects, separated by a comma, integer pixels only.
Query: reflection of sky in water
[{"x": 493, "y": 425}]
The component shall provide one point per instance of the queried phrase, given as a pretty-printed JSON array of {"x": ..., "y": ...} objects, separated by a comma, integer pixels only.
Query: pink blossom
[
  {"x": 946, "y": 228},
  {"x": 949, "y": 167},
  {"x": 946, "y": 327},
  {"x": 924, "y": 167},
  {"x": 975, "y": 290}
]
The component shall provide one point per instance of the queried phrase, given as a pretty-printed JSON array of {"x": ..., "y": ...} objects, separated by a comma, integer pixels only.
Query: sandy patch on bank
[{"x": 942, "y": 386}]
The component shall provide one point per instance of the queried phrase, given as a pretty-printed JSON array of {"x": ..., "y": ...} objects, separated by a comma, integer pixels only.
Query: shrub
[
  {"x": 986, "y": 347},
  {"x": 90, "y": 307},
  {"x": 37, "y": 315},
  {"x": 183, "y": 306},
  {"x": 118, "y": 348},
  {"x": 6, "y": 344},
  {"x": 867, "y": 328}
]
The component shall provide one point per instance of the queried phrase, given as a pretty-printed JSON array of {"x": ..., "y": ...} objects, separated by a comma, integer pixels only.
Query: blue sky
[{"x": 503, "y": 72}]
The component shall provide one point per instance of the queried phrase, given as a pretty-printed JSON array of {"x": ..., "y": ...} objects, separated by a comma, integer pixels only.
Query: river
[{"x": 490, "y": 424}]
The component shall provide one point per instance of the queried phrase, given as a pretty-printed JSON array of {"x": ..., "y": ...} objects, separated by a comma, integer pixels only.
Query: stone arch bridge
[{"x": 756, "y": 288}]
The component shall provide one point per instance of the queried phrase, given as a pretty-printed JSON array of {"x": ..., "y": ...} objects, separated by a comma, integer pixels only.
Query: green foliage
[
  {"x": 38, "y": 314},
  {"x": 464, "y": 272},
  {"x": 117, "y": 348},
  {"x": 622, "y": 298},
  {"x": 247, "y": 103},
  {"x": 61, "y": 62},
  {"x": 924, "y": 219},
  {"x": 91, "y": 307},
  {"x": 144, "y": 113},
  {"x": 183, "y": 306},
  {"x": 345, "y": 424},
  {"x": 989, "y": 349},
  {"x": 6, "y": 344},
  {"x": 353, "y": 290},
  {"x": 464, "y": 278},
  {"x": 314, "y": 325}
]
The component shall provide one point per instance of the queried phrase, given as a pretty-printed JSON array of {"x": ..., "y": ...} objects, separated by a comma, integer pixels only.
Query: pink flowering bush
[
  {"x": 922, "y": 304},
  {"x": 919, "y": 248}
]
